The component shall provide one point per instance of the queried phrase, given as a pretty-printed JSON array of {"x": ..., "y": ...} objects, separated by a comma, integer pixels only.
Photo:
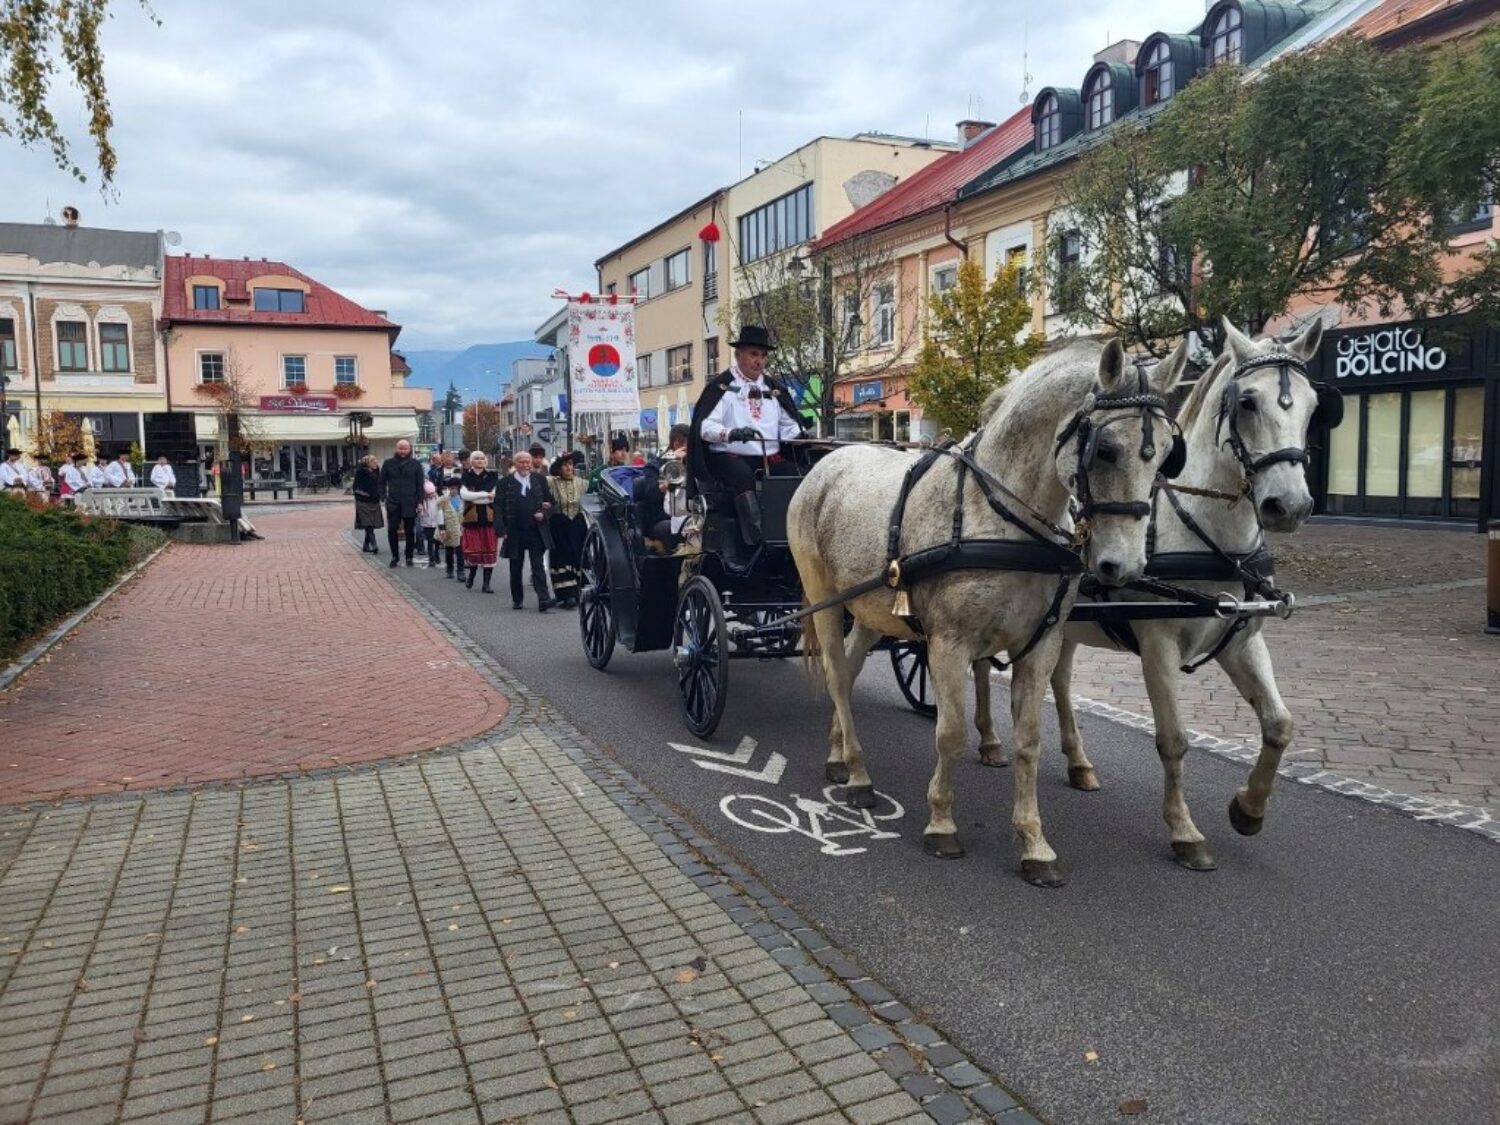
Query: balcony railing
[{"x": 710, "y": 287}]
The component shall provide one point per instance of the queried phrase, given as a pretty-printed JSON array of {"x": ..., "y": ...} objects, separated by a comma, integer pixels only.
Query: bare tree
[{"x": 834, "y": 313}]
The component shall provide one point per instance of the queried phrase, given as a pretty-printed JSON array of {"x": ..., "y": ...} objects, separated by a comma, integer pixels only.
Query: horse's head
[
  {"x": 1109, "y": 454},
  {"x": 1266, "y": 404}
]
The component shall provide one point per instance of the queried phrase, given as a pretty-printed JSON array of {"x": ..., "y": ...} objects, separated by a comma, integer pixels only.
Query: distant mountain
[{"x": 480, "y": 368}]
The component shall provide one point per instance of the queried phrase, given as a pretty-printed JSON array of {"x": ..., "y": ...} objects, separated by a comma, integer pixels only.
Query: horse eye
[
  {"x": 1248, "y": 403},
  {"x": 1107, "y": 454}
]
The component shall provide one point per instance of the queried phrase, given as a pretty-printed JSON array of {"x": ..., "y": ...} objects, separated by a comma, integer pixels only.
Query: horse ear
[
  {"x": 1111, "y": 365},
  {"x": 1166, "y": 374},
  {"x": 1305, "y": 346},
  {"x": 1240, "y": 345}
]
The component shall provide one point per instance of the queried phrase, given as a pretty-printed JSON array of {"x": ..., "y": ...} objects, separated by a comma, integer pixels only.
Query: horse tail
[{"x": 812, "y": 653}]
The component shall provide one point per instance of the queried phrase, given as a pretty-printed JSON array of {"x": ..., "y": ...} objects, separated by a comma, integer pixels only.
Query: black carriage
[{"x": 716, "y": 602}]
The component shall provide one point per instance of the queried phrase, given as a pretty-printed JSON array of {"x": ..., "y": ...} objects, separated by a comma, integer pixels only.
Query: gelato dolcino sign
[
  {"x": 299, "y": 404},
  {"x": 1390, "y": 351}
]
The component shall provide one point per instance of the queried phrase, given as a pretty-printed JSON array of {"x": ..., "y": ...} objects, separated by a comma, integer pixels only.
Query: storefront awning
[{"x": 293, "y": 428}]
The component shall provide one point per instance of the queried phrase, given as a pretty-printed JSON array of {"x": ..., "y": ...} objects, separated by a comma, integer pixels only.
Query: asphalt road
[{"x": 1340, "y": 967}]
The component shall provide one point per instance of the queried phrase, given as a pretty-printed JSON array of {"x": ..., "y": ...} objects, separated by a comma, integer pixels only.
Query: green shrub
[{"x": 54, "y": 561}]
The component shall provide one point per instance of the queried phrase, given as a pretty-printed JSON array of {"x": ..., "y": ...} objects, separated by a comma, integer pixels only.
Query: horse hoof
[
  {"x": 1243, "y": 822},
  {"x": 1194, "y": 855},
  {"x": 944, "y": 845},
  {"x": 1042, "y": 872},
  {"x": 993, "y": 756},
  {"x": 837, "y": 773},
  {"x": 860, "y": 796},
  {"x": 1083, "y": 777}
]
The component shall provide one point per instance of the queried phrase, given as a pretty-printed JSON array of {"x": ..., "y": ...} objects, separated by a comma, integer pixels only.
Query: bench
[
  {"x": 274, "y": 485},
  {"x": 194, "y": 509}
]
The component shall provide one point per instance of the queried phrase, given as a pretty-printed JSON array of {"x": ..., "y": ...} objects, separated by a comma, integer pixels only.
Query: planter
[
  {"x": 347, "y": 392},
  {"x": 297, "y": 389}
]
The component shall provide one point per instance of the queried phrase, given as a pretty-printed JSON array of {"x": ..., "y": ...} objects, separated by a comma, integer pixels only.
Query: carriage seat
[{"x": 714, "y": 495}]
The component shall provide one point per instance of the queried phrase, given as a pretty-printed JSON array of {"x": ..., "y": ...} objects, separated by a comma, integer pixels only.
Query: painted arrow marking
[{"x": 733, "y": 762}]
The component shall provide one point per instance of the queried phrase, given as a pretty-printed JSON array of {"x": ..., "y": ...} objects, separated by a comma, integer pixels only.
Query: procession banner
[{"x": 601, "y": 352}]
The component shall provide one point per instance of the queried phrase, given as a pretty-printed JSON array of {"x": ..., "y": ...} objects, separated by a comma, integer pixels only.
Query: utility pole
[{"x": 825, "y": 309}]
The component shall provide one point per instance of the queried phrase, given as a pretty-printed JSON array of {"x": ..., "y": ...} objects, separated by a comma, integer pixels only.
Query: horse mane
[
  {"x": 1198, "y": 398},
  {"x": 991, "y": 404},
  {"x": 1030, "y": 395}
]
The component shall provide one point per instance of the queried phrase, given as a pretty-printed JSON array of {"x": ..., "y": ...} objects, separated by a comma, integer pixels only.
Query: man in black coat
[
  {"x": 401, "y": 481},
  {"x": 525, "y": 504}
]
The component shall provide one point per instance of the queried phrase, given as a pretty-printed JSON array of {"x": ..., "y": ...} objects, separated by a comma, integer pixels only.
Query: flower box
[
  {"x": 296, "y": 389},
  {"x": 347, "y": 391}
]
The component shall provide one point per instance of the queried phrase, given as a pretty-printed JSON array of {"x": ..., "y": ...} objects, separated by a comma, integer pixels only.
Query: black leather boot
[
  {"x": 747, "y": 509},
  {"x": 485, "y": 589},
  {"x": 473, "y": 570}
]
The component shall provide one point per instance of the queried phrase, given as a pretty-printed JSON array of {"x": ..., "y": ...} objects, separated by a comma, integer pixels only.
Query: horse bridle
[
  {"x": 1330, "y": 409},
  {"x": 1148, "y": 404}
]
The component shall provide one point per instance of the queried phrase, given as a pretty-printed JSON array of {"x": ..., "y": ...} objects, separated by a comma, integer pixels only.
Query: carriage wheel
[
  {"x": 702, "y": 656},
  {"x": 909, "y": 662},
  {"x": 596, "y": 612}
]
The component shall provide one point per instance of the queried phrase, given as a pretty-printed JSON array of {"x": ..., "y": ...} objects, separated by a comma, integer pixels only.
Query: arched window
[
  {"x": 1101, "y": 100},
  {"x": 1225, "y": 41},
  {"x": 1156, "y": 75},
  {"x": 1048, "y": 124}
]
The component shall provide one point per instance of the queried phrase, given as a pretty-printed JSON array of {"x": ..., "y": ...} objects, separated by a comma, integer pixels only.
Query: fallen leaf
[
  {"x": 269, "y": 1064},
  {"x": 452, "y": 926},
  {"x": 614, "y": 964},
  {"x": 505, "y": 921},
  {"x": 549, "y": 1082},
  {"x": 370, "y": 983},
  {"x": 211, "y": 1041},
  {"x": 570, "y": 1014},
  {"x": 296, "y": 998},
  {"x": 339, "y": 889},
  {"x": 716, "y": 1057},
  {"x": 138, "y": 1034},
  {"x": 1131, "y": 1107},
  {"x": 247, "y": 1017},
  {"x": 242, "y": 929},
  {"x": 1091, "y": 1056},
  {"x": 687, "y": 976},
  {"x": 421, "y": 970}
]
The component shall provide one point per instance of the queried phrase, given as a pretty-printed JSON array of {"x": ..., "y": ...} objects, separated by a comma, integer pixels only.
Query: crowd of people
[
  {"x": 77, "y": 474},
  {"x": 463, "y": 512}
]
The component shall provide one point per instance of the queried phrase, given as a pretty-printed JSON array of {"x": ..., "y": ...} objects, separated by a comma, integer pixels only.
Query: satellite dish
[{"x": 173, "y": 238}]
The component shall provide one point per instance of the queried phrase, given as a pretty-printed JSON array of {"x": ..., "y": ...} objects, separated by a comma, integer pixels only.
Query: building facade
[
  {"x": 311, "y": 371},
  {"x": 78, "y": 339},
  {"x": 539, "y": 404}
]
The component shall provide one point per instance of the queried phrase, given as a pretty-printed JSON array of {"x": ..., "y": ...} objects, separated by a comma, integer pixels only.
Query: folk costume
[
  {"x": 523, "y": 518},
  {"x": 368, "y": 516},
  {"x": 732, "y": 416},
  {"x": 12, "y": 475},
  {"x": 568, "y": 531},
  {"x": 120, "y": 474},
  {"x": 164, "y": 478},
  {"x": 71, "y": 481},
  {"x": 401, "y": 481},
  {"x": 453, "y": 533},
  {"x": 477, "y": 491},
  {"x": 95, "y": 475}
]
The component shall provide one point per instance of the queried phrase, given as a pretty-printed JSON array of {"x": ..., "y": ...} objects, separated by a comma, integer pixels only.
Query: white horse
[
  {"x": 1078, "y": 425},
  {"x": 1245, "y": 424}
]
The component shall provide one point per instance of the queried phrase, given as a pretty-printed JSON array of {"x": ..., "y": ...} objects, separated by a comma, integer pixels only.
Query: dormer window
[
  {"x": 1156, "y": 74},
  {"x": 1048, "y": 124},
  {"x": 1100, "y": 97},
  {"x": 205, "y": 296},
  {"x": 1226, "y": 42},
  {"x": 280, "y": 300}
]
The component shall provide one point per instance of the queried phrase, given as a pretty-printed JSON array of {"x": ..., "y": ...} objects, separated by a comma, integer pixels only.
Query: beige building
[{"x": 78, "y": 309}]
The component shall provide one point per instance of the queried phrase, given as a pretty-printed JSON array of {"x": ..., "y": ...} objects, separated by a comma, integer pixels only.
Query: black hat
[
  {"x": 559, "y": 461},
  {"x": 753, "y": 336},
  {"x": 618, "y": 443}
]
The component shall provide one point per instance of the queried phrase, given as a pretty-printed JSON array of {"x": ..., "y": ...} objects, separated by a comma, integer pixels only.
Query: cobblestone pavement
[
  {"x": 1385, "y": 665},
  {"x": 506, "y": 930},
  {"x": 270, "y": 657}
]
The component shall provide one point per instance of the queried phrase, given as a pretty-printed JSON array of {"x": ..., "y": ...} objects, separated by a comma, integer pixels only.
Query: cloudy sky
[{"x": 455, "y": 162}]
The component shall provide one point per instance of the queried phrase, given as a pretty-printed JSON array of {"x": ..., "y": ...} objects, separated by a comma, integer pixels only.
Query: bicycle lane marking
[{"x": 827, "y": 822}]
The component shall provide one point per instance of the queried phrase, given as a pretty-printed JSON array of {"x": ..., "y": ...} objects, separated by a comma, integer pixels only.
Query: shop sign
[
  {"x": 299, "y": 404},
  {"x": 867, "y": 392},
  {"x": 1389, "y": 351}
]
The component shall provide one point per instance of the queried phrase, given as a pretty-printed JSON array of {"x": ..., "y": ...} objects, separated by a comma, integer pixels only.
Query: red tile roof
[
  {"x": 399, "y": 366},
  {"x": 930, "y": 187},
  {"x": 325, "y": 308},
  {"x": 1395, "y": 16}
]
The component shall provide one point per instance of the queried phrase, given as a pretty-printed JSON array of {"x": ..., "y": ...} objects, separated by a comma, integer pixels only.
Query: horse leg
[
  {"x": 836, "y": 665},
  {"x": 1249, "y": 667},
  {"x": 860, "y": 641},
  {"x": 1028, "y": 687},
  {"x": 949, "y": 669},
  {"x": 991, "y": 749},
  {"x": 1159, "y": 661},
  {"x": 1081, "y": 773}
]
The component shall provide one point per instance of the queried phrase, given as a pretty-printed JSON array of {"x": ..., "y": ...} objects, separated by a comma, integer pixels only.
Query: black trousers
[
  {"x": 394, "y": 520},
  {"x": 735, "y": 472},
  {"x": 519, "y": 554}
]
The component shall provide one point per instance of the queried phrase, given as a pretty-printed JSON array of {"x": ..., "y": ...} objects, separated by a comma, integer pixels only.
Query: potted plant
[
  {"x": 297, "y": 389},
  {"x": 214, "y": 390},
  {"x": 347, "y": 391}
]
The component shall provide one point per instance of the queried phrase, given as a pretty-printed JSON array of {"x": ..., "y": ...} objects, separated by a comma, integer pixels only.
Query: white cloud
[{"x": 455, "y": 162}]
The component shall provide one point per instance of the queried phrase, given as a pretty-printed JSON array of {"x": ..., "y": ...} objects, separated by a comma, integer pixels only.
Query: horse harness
[
  {"x": 1049, "y": 549},
  {"x": 1255, "y": 568}
]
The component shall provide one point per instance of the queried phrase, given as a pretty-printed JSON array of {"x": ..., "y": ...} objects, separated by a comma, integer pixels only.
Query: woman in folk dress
[
  {"x": 477, "y": 490},
  {"x": 568, "y": 528}
]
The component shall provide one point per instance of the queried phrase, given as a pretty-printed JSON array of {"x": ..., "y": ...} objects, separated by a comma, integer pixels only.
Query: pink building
[{"x": 301, "y": 359}]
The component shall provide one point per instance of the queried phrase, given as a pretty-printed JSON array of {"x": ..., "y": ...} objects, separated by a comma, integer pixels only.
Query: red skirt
[{"x": 479, "y": 544}]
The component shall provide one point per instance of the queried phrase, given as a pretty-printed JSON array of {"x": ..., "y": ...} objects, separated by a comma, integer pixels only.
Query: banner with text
[{"x": 601, "y": 349}]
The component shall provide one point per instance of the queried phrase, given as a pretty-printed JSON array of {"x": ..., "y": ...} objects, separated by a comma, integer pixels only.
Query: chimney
[
  {"x": 969, "y": 129},
  {"x": 70, "y": 216},
  {"x": 1124, "y": 51}
]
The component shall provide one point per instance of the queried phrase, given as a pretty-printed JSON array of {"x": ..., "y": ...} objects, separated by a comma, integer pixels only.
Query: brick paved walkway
[
  {"x": 220, "y": 662},
  {"x": 1398, "y": 689}
]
